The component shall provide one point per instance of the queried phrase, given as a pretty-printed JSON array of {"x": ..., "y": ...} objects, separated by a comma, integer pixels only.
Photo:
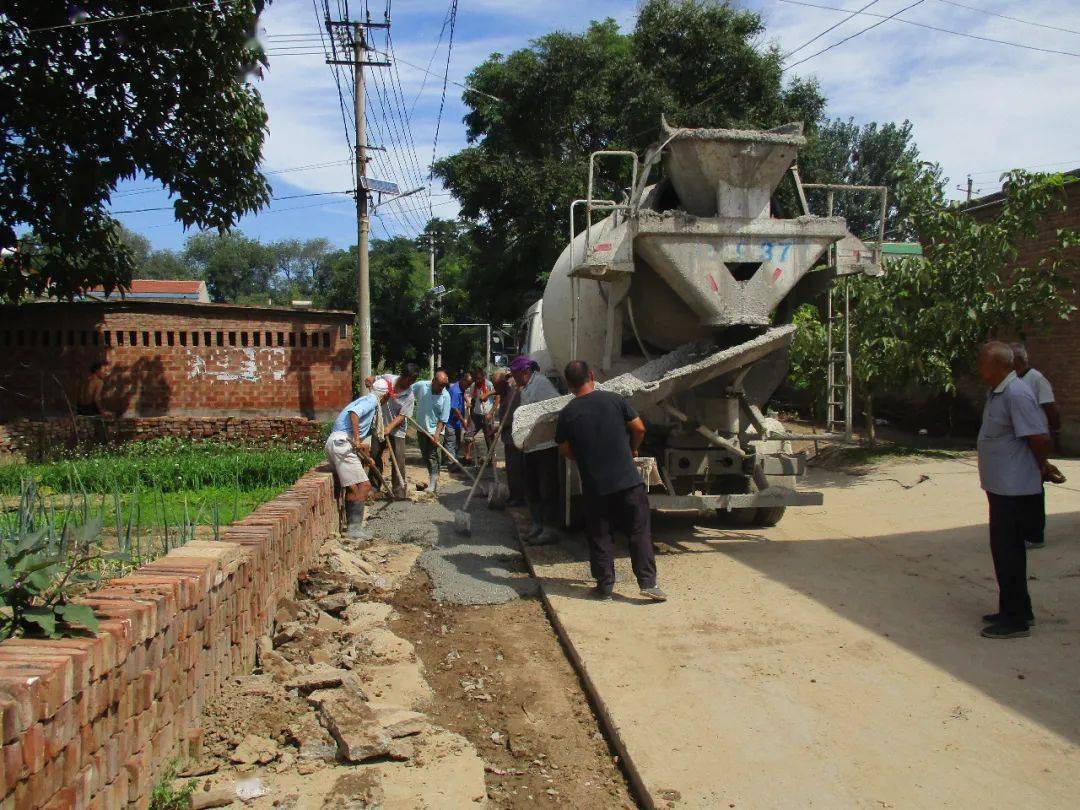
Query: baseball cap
[{"x": 521, "y": 363}]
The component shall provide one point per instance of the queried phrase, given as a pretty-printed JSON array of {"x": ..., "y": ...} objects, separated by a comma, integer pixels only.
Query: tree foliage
[
  {"x": 84, "y": 107},
  {"x": 868, "y": 155},
  {"x": 922, "y": 323},
  {"x": 567, "y": 95}
]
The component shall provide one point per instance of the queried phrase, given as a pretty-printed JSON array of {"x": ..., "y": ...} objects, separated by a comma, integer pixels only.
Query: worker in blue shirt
[
  {"x": 432, "y": 414},
  {"x": 348, "y": 450}
]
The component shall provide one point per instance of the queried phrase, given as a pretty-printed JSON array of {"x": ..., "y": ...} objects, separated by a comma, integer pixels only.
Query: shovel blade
[{"x": 462, "y": 522}]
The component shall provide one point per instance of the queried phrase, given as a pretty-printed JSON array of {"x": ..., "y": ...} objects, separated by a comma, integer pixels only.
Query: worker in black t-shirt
[{"x": 603, "y": 433}]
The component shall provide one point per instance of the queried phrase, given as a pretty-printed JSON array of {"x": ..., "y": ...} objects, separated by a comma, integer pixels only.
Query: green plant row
[{"x": 192, "y": 467}]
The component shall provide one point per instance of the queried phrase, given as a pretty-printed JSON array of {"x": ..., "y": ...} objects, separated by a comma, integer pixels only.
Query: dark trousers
[
  {"x": 1011, "y": 520},
  {"x": 542, "y": 485},
  {"x": 1037, "y": 532},
  {"x": 430, "y": 453},
  {"x": 515, "y": 471},
  {"x": 396, "y": 445},
  {"x": 627, "y": 508}
]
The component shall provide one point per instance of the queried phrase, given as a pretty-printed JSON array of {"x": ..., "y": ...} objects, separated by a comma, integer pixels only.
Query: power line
[
  {"x": 451, "y": 81},
  {"x": 286, "y": 197},
  {"x": 856, "y": 34},
  {"x": 79, "y": 23},
  {"x": 833, "y": 27},
  {"x": 893, "y": 17},
  {"x": 1073, "y": 162},
  {"x": 1007, "y": 17},
  {"x": 442, "y": 101}
]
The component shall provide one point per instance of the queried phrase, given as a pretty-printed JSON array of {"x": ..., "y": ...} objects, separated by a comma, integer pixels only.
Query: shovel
[
  {"x": 447, "y": 453},
  {"x": 499, "y": 493},
  {"x": 497, "y": 496}
]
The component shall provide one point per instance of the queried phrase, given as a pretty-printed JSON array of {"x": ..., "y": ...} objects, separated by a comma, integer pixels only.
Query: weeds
[{"x": 166, "y": 797}]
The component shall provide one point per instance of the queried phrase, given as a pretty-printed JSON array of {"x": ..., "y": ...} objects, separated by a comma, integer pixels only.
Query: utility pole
[
  {"x": 431, "y": 286},
  {"x": 353, "y": 41},
  {"x": 363, "y": 287}
]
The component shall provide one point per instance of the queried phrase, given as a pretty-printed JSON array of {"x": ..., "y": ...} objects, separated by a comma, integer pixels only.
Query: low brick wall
[
  {"x": 95, "y": 721},
  {"x": 36, "y": 438}
]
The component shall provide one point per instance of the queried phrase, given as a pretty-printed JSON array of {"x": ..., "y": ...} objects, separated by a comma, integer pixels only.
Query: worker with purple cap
[
  {"x": 541, "y": 463},
  {"x": 348, "y": 450}
]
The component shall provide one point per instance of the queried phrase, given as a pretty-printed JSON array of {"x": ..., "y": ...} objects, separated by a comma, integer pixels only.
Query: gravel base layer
[{"x": 483, "y": 568}]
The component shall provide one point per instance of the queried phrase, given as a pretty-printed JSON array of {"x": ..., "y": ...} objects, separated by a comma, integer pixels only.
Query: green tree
[
  {"x": 236, "y": 269},
  {"x": 698, "y": 63},
  {"x": 83, "y": 107},
  {"x": 296, "y": 263},
  {"x": 872, "y": 154},
  {"x": 921, "y": 324}
]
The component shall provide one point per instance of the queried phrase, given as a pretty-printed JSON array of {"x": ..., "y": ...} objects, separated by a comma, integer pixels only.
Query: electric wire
[
  {"x": 284, "y": 197},
  {"x": 442, "y": 100},
  {"x": 832, "y": 27},
  {"x": 927, "y": 26},
  {"x": 1007, "y": 17},
  {"x": 858, "y": 33},
  {"x": 102, "y": 20}
]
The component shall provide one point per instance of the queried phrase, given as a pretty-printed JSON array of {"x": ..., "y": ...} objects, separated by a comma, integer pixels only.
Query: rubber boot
[
  {"x": 433, "y": 482},
  {"x": 537, "y": 512},
  {"x": 354, "y": 512}
]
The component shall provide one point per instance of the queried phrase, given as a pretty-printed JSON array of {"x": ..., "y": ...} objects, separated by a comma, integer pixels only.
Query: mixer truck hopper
[{"x": 680, "y": 299}]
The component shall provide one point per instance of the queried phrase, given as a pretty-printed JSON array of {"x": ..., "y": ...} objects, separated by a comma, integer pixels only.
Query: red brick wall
[
  {"x": 1054, "y": 348},
  {"x": 176, "y": 358},
  {"x": 94, "y": 721}
]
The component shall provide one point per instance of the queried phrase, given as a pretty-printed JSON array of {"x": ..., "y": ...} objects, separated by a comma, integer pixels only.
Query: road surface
[{"x": 835, "y": 660}]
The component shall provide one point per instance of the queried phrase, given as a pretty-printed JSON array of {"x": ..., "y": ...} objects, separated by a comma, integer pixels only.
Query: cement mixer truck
[{"x": 680, "y": 297}]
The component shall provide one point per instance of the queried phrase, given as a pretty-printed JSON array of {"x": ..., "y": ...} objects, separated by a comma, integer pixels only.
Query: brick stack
[
  {"x": 95, "y": 721},
  {"x": 36, "y": 438},
  {"x": 179, "y": 358}
]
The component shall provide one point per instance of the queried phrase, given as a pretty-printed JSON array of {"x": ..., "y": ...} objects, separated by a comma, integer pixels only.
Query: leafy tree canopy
[
  {"x": 699, "y": 63},
  {"x": 84, "y": 107},
  {"x": 921, "y": 324}
]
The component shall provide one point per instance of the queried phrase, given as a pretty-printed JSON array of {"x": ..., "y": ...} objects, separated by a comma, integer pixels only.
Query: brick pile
[
  {"x": 95, "y": 721},
  {"x": 37, "y": 438}
]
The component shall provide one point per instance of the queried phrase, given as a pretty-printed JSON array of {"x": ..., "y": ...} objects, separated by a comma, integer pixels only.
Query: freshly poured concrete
[{"x": 835, "y": 660}]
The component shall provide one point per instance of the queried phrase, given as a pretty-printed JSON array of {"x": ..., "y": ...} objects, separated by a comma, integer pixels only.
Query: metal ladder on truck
[{"x": 846, "y": 258}]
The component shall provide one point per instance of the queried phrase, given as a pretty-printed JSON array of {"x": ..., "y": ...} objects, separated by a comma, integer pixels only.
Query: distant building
[
  {"x": 1054, "y": 347},
  {"x": 152, "y": 289}
]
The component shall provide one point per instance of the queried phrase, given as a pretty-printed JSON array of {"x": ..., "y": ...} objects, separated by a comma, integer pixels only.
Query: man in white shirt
[
  {"x": 398, "y": 405},
  {"x": 542, "y": 464},
  {"x": 1044, "y": 395}
]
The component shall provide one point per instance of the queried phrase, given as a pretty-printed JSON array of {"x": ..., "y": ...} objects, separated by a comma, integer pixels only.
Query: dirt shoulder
[{"x": 501, "y": 680}]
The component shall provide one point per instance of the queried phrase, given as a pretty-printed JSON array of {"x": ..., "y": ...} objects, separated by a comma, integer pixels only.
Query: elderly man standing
[
  {"x": 348, "y": 452},
  {"x": 1013, "y": 447},
  {"x": 541, "y": 465},
  {"x": 432, "y": 414},
  {"x": 1044, "y": 395}
]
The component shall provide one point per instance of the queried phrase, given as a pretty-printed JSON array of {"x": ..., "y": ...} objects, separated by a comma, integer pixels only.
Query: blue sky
[{"x": 978, "y": 107}]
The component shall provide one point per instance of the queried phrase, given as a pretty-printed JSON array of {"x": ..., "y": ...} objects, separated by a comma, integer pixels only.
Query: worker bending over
[
  {"x": 349, "y": 454},
  {"x": 603, "y": 433},
  {"x": 432, "y": 414}
]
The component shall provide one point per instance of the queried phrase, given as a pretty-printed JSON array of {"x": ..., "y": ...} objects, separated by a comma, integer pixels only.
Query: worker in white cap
[{"x": 348, "y": 449}]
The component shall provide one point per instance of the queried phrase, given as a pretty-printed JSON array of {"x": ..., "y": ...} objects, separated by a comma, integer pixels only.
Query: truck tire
[
  {"x": 769, "y": 515},
  {"x": 737, "y": 518}
]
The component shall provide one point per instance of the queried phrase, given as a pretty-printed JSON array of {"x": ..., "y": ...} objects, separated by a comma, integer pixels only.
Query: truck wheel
[
  {"x": 737, "y": 518},
  {"x": 769, "y": 515}
]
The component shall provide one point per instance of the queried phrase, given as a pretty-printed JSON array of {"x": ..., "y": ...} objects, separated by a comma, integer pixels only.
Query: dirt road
[{"x": 835, "y": 660}]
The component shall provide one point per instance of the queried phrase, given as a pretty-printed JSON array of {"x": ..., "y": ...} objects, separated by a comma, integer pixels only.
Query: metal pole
[
  {"x": 438, "y": 304},
  {"x": 487, "y": 348},
  {"x": 363, "y": 293},
  {"x": 848, "y": 426}
]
